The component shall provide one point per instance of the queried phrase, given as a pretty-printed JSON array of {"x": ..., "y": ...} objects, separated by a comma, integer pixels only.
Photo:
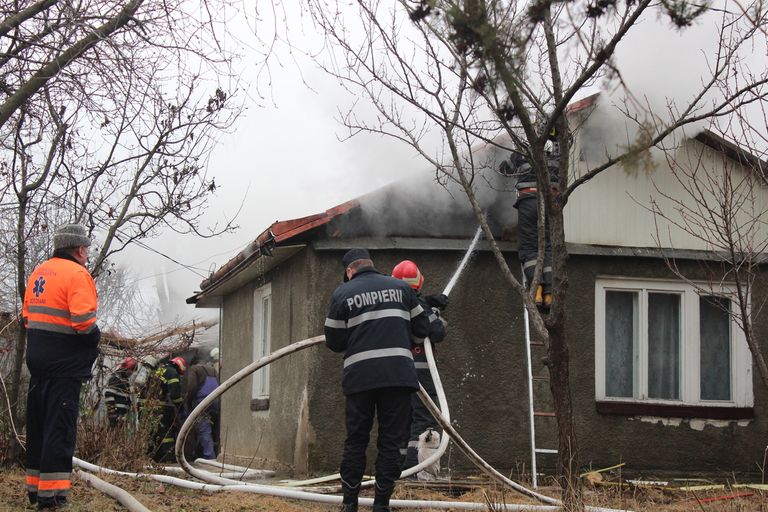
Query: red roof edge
[
  {"x": 583, "y": 103},
  {"x": 277, "y": 233}
]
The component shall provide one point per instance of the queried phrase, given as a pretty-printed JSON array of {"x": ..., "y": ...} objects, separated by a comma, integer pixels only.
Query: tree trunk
[
  {"x": 558, "y": 364},
  {"x": 567, "y": 449},
  {"x": 21, "y": 286}
]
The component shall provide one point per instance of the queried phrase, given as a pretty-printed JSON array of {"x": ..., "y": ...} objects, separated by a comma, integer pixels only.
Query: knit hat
[
  {"x": 71, "y": 235},
  {"x": 353, "y": 255}
]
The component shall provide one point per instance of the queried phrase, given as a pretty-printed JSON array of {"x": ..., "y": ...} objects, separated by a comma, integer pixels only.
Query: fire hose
[{"x": 440, "y": 414}]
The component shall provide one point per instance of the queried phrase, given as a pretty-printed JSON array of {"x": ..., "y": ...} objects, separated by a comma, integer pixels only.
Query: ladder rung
[
  {"x": 545, "y": 414},
  {"x": 537, "y": 343},
  {"x": 541, "y": 377},
  {"x": 545, "y": 450}
]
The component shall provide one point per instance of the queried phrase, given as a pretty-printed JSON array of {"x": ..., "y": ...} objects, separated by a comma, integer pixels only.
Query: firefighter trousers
[
  {"x": 528, "y": 241},
  {"x": 52, "y": 409},
  {"x": 392, "y": 407}
]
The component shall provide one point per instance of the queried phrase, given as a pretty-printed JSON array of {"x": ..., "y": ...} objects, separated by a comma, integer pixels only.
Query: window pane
[
  {"x": 664, "y": 345},
  {"x": 715, "y": 335},
  {"x": 621, "y": 335}
]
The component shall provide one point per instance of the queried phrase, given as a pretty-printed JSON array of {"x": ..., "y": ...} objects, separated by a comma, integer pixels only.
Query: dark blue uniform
[
  {"x": 422, "y": 419},
  {"x": 372, "y": 319},
  {"x": 528, "y": 221}
]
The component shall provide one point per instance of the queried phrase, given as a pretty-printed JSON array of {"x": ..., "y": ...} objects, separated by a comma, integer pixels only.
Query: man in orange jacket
[{"x": 59, "y": 313}]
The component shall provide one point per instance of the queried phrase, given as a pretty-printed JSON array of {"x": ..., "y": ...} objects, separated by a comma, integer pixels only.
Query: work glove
[{"x": 439, "y": 301}]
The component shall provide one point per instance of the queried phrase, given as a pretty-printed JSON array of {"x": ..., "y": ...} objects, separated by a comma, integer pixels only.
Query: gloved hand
[{"x": 439, "y": 301}]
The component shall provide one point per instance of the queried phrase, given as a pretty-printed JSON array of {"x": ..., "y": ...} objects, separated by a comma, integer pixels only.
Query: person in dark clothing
[
  {"x": 527, "y": 205},
  {"x": 59, "y": 313},
  {"x": 117, "y": 396},
  {"x": 171, "y": 402},
  {"x": 421, "y": 417},
  {"x": 371, "y": 320},
  {"x": 201, "y": 381}
]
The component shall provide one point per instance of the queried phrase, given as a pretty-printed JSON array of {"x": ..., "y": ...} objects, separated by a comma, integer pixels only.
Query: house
[{"x": 661, "y": 376}]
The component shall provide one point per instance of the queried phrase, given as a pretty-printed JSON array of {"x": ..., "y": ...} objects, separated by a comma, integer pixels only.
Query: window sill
[
  {"x": 260, "y": 404},
  {"x": 674, "y": 411}
]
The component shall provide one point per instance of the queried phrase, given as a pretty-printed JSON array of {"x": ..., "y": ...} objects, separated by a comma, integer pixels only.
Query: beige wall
[
  {"x": 614, "y": 207},
  {"x": 281, "y": 432}
]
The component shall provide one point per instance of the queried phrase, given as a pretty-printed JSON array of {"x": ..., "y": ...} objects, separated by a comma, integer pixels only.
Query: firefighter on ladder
[
  {"x": 59, "y": 313},
  {"x": 527, "y": 205},
  {"x": 421, "y": 418}
]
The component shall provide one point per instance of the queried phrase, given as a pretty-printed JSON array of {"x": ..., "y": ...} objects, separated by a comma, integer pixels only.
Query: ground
[{"x": 156, "y": 496}]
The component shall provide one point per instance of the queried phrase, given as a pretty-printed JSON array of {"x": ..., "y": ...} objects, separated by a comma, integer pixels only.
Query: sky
[{"x": 284, "y": 158}]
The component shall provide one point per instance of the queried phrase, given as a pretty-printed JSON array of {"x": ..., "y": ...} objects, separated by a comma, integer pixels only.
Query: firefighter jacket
[
  {"x": 59, "y": 313},
  {"x": 118, "y": 394},
  {"x": 526, "y": 176},
  {"x": 170, "y": 386},
  {"x": 436, "y": 335},
  {"x": 371, "y": 319}
]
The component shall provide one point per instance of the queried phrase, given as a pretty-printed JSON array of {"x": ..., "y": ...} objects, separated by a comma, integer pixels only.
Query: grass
[{"x": 158, "y": 496}]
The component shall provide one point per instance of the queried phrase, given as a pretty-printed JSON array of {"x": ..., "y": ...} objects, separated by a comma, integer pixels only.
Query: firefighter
[
  {"x": 171, "y": 402},
  {"x": 117, "y": 396},
  {"x": 527, "y": 205},
  {"x": 201, "y": 381},
  {"x": 371, "y": 320},
  {"x": 434, "y": 305},
  {"x": 59, "y": 313}
]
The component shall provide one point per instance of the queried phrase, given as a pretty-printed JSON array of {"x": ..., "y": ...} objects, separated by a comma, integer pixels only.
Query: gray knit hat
[{"x": 70, "y": 235}]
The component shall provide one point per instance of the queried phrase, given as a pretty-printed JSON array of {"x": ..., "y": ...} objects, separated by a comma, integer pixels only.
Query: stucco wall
[
  {"x": 481, "y": 361},
  {"x": 482, "y": 364},
  {"x": 642, "y": 442},
  {"x": 271, "y": 434}
]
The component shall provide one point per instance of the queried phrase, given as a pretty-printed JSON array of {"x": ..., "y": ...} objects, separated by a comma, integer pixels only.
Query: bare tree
[
  {"x": 108, "y": 112},
  {"x": 723, "y": 207},
  {"x": 500, "y": 75}
]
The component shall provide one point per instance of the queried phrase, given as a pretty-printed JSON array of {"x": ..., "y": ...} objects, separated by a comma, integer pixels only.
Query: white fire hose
[{"x": 441, "y": 415}]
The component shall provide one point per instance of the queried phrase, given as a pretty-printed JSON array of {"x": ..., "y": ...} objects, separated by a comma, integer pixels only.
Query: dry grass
[{"x": 157, "y": 496}]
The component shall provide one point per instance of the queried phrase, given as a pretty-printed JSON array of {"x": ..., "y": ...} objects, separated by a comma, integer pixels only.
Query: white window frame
[
  {"x": 741, "y": 359},
  {"x": 262, "y": 339}
]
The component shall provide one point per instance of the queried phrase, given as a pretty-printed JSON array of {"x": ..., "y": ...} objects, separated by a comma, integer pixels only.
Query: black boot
[
  {"x": 381, "y": 508},
  {"x": 348, "y": 507}
]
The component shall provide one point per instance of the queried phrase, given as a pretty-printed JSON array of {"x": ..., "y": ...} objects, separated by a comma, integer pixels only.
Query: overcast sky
[{"x": 284, "y": 160}]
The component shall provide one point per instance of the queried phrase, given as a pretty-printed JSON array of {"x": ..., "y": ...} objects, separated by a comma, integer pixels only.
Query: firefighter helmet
[
  {"x": 129, "y": 363},
  {"x": 215, "y": 354},
  {"x": 180, "y": 364},
  {"x": 410, "y": 273}
]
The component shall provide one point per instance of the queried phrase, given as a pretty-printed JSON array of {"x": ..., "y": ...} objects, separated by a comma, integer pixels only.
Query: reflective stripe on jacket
[
  {"x": 371, "y": 319},
  {"x": 59, "y": 312}
]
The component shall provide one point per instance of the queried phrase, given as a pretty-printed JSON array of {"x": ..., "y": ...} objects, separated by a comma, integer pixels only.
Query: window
[
  {"x": 667, "y": 343},
  {"x": 262, "y": 325}
]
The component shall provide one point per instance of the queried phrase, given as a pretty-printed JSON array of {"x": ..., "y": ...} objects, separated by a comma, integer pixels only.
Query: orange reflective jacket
[{"x": 60, "y": 297}]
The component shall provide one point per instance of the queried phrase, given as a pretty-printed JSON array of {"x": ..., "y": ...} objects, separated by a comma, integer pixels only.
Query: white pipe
[
  {"x": 443, "y": 420},
  {"x": 124, "y": 497},
  {"x": 234, "y": 475},
  {"x": 463, "y": 263},
  {"x": 303, "y": 495},
  {"x": 261, "y": 473}
]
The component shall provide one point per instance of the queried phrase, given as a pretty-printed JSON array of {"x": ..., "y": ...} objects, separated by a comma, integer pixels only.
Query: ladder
[{"x": 532, "y": 413}]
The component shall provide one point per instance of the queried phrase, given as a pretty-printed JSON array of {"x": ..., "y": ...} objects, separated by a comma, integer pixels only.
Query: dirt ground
[{"x": 160, "y": 497}]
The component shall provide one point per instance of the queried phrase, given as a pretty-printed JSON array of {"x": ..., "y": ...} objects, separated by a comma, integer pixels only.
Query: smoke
[{"x": 429, "y": 205}]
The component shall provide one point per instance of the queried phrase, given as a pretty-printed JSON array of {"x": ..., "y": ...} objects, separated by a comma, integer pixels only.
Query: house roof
[
  {"x": 387, "y": 214},
  {"x": 266, "y": 242}
]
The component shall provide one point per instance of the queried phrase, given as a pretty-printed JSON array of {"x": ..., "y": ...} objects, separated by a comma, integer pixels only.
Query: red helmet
[
  {"x": 180, "y": 363},
  {"x": 129, "y": 363},
  {"x": 409, "y": 272}
]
